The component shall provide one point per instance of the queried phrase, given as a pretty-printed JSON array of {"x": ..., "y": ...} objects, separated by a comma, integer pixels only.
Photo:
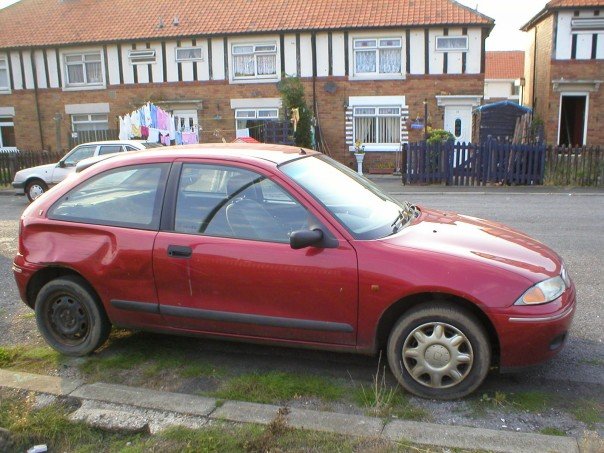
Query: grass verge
[
  {"x": 276, "y": 386},
  {"x": 38, "y": 359}
]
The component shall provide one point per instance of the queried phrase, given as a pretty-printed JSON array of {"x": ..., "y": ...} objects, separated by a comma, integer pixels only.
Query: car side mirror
[
  {"x": 61, "y": 164},
  {"x": 305, "y": 238}
]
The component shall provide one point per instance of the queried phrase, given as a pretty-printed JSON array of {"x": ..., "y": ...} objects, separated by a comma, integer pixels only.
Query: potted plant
[{"x": 359, "y": 154}]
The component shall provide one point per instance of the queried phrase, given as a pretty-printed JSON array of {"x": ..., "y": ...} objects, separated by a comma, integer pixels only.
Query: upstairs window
[
  {"x": 4, "y": 79},
  {"x": 188, "y": 54},
  {"x": 452, "y": 43},
  {"x": 144, "y": 56},
  {"x": 377, "y": 56},
  {"x": 254, "y": 61},
  {"x": 84, "y": 69}
]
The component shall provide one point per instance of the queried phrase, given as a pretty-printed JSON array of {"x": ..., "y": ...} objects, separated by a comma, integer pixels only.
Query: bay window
[
  {"x": 377, "y": 125},
  {"x": 84, "y": 69},
  {"x": 377, "y": 56},
  {"x": 254, "y": 61}
]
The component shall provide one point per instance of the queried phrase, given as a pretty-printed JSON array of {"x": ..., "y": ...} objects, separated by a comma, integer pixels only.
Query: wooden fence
[
  {"x": 582, "y": 166},
  {"x": 93, "y": 136},
  {"x": 13, "y": 161},
  {"x": 466, "y": 164}
]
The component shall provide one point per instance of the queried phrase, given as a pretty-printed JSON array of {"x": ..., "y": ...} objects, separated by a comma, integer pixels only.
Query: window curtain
[
  {"x": 389, "y": 129},
  {"x": 365, "y": 61},
  {"x": 75, "y": 73},
  {"x": 243, "y": 65},
  {"x": 390, "y": 61},
  {"x": 94, "y": 72},
  {"x": 364, "y": 129},
  {"x": 267, "y": 64}
]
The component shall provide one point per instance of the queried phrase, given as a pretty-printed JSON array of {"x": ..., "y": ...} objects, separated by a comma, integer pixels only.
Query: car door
[
  {"x": 68, "y": 163},
  {"x": 223, "y": 262}
]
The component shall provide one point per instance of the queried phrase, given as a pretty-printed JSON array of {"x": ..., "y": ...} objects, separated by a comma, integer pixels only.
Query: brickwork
[
  {"x": 542, "y": 82},
  {"x": 217, "y": 118}
]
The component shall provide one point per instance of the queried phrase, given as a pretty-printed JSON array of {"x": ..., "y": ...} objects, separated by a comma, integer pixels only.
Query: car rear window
[{"x": 128, "y": 196}]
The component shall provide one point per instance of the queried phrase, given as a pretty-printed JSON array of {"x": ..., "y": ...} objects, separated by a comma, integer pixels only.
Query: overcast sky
[{"x": 509, "y": 16}]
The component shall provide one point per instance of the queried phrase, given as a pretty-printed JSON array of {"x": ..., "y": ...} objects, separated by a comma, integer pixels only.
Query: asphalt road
[{"x": 572, "y": 224}]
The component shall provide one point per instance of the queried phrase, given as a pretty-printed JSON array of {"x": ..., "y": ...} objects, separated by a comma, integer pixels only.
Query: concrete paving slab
[
  {"x": 111, "y": 420},
  {"x": 38, "y": 383},
  {"x": 353, "y": 425},
  {"x": 477, "y": 438},
  {"x": 147, "y": 398},
  {"x": 244, "y": 412}
]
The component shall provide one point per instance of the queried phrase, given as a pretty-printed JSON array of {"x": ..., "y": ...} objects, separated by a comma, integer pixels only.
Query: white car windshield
[{"x": 361, "y": 207}]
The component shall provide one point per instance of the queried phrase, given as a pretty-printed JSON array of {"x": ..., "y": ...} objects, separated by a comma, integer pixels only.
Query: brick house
[
  {"x": 503, "y": 78},
  {"x": 565, "y": 71},
  {"x": 368, "y": 65}
]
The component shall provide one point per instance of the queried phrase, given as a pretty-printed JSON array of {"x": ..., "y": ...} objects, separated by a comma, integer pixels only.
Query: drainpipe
[
  {"x": 534, "y": 70},
  {"x": 314, "y": 88},
  {"x": 35, "y": 76}
]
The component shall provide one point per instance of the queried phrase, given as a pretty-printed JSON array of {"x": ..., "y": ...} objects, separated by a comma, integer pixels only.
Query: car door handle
[{"x": 179, "y": 251}]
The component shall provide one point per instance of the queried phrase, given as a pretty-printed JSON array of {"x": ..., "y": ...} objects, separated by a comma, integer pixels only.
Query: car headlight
[{"x": 543, "y": 292}]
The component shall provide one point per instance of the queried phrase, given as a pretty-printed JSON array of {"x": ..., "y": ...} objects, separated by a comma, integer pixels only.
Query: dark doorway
[{"x": 572, "y": 120}]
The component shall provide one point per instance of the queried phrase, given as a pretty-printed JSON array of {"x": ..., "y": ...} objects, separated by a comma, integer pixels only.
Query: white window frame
[
  {"x": 378, "y": 102},
  {"x": 439, "y": 48},
  {"x": 83, "y": 86},
  {"x": 4, "y": 67},
  {"x": 255, "y": 53},
  {"x": 590, "y": 25},
  {"x": 89, "y": 121},
  {"x": 574, "y": 93},
  {"x": 376, "y": 48},
  {"x": 377, "y": 114},
  {"x": 181, "y": 59},
  {"x": 142, "y": 56},
  {"x": 6, "y": 122},
  {"x": 262, "y": 114}
]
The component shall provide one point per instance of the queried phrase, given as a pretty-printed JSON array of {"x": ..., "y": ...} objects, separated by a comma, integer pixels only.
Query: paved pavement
[{"x": 117, "y": 407}]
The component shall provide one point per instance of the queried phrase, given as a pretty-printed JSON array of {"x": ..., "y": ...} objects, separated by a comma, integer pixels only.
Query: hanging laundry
[
  {"x": 153, "y": 135},
  {"x": 178, "y": 138},
  {"x": 165, "y": 139},
  {"x": 144, "y": 132},
  {"x": 146, "y": 109},
  {"x": 154, "y": 111},
  {"x": 136, "y": 131},
  {"x": 189, "y": 138},
  {"x": 295, "y": 118}
]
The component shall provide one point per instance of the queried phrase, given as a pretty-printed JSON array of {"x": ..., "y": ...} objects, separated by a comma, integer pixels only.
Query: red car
[{"x": 283, "y": 245}]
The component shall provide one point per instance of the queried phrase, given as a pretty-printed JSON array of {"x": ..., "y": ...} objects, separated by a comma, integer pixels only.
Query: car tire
[
  {"x": 439, "y": 351},
  {"x": 35, "y": 188},
  {"x": 70, "y": 316}
]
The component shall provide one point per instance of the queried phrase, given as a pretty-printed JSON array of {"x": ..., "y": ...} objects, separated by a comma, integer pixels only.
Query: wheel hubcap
[
  {"x": 437, "y": 355},
  {"x": 35, "y": 191},
  {"x": 69, "y": 319}
]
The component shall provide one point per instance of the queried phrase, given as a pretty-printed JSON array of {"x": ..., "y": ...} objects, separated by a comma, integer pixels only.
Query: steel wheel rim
[
  {"x": 68, "y": 319},
  {"x": 35, "y": 191},
  {"x": 437, "y": 355}
]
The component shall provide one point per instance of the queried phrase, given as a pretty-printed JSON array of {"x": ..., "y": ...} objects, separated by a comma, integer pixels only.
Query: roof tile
[
  {"x": 55, "y": 22},
  {"x": 504, "y": 64}
]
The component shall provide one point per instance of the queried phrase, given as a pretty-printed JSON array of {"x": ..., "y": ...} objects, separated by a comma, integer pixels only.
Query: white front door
[{"x": 458, "y": 121}]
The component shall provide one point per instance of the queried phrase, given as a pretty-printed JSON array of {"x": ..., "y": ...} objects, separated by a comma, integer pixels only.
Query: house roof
[
  {"x": 504, "y": 64},
  {"x": 560, "y": 4},
  {"x": 58, "y": 22}
]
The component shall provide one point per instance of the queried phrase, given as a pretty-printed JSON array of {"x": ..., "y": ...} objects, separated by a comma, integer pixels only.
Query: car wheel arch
[
  {"x": 395, "y": 311},
  {"x": 47, "y": 274}
]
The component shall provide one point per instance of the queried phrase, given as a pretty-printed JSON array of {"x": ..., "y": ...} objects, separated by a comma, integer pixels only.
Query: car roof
[
  {"x": 276, "y": 154},
  {"x": 115, "y": 142}
]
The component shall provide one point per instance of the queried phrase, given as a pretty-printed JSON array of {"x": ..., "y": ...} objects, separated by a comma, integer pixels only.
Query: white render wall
[
  {"x": 584, "y": 40},
  {"x": 297, "y": 52}
]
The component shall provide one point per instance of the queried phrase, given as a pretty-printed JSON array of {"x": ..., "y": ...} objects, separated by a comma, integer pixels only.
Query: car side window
[
  {"x": 109, "y": 149},
  {"x": 82, "y": 152},
  {"x": 128, "y": 196},
  {"x": 234, "y": 202}
]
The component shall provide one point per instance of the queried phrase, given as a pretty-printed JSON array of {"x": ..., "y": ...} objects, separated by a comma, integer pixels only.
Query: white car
[{"x": 34, "y": 181}]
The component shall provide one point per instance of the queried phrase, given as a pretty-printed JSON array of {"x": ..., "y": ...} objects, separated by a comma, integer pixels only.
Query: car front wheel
[
  {"x": 70, "y": 317},
  {"x": 35, "y": 188},
  {"x": 439, "y": 351}
]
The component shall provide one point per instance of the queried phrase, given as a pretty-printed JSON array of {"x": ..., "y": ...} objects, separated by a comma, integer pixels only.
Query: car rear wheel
[
  {"x": 70, "y": 317},
  {"x": 439, "y": 351},
  {"x": 35, "y": 188}
]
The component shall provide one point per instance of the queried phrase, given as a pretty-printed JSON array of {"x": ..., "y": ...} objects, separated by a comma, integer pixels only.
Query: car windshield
[{"x": 364, "y": 210}]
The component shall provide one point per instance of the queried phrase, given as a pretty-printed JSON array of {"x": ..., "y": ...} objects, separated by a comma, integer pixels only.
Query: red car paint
[{"x": 485, "y": 264}]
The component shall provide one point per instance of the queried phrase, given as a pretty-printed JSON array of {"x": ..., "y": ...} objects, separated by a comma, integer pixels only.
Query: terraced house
[
  {"x": 368, "y": 67},
  {"x": 564, "y": 71}
]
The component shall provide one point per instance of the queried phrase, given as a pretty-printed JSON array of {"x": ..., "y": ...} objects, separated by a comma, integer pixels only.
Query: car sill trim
[
  {"x": 129, "y": 305},
  {"x": 272, "y": 321},
  {"x": 564, "y": 314}
]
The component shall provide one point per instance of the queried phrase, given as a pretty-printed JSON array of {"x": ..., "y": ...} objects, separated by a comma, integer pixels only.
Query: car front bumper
[
  {"x": 529, "y": 338},
  {"x": 19, "y": 187}
]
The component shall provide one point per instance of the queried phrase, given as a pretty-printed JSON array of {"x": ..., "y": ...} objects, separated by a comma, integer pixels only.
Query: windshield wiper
[{"x": 403, "y": 217}]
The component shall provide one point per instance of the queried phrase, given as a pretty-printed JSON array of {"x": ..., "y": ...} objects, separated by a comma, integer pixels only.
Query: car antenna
[{"x": 302, "y": 151}]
